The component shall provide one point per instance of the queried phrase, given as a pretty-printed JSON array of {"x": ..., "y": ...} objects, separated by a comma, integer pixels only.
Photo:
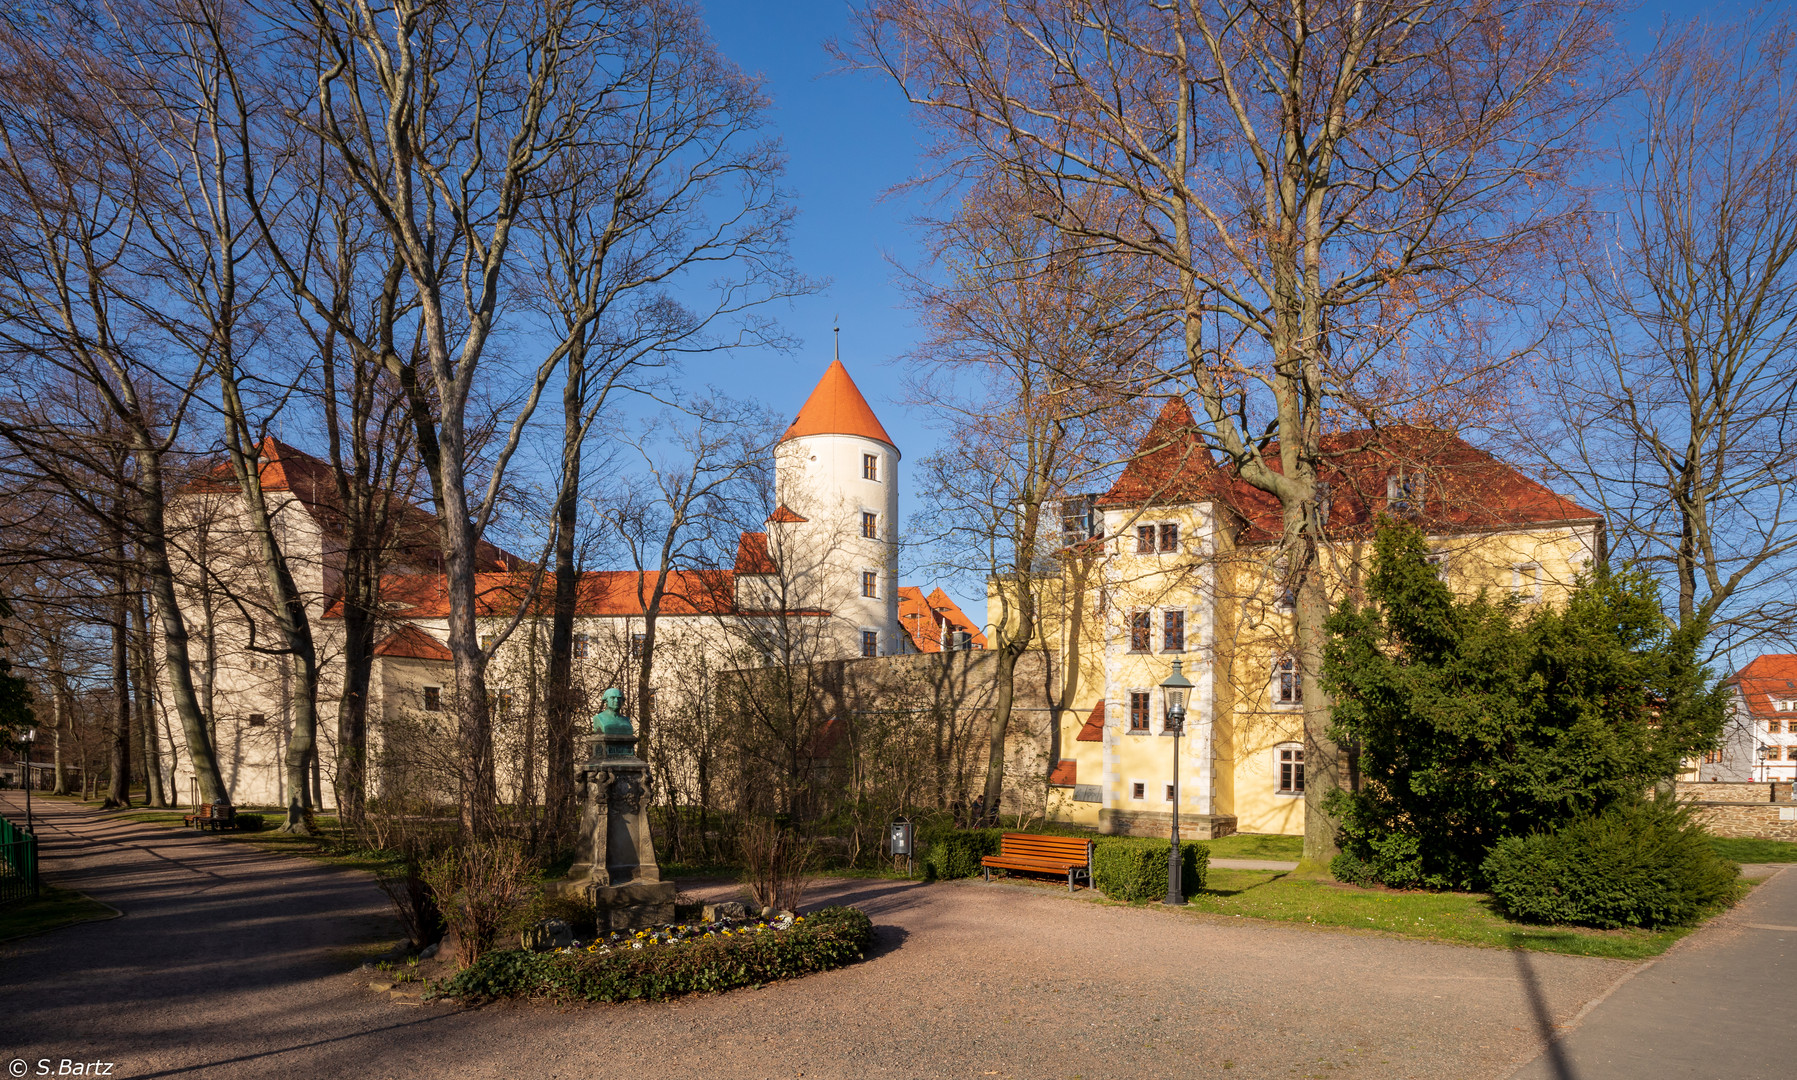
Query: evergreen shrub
[
  {"x": 1132, "y": 868},
  {"x": 830, "y": 938},
  {"x": 1639, "y": 863},
  {"x": 248, "y": 822}
]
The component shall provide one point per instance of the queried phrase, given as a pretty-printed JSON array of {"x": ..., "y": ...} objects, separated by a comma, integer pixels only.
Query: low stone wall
[
  {"x": 1157, "y": 823},
  {"x": 1743, "y": 811}
]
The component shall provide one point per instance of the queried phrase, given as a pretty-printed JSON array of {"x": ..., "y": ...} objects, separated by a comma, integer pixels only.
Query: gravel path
[{"x": 233, "y": 963}]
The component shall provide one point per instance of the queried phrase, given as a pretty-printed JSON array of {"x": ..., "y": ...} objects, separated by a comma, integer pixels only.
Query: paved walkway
[
  {"x": 235, "y": 964},
  {"x": 1715, "y": 1007}
]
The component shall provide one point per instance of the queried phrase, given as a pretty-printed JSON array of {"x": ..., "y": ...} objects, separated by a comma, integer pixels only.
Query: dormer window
[{"x": 1404, "y": 493}]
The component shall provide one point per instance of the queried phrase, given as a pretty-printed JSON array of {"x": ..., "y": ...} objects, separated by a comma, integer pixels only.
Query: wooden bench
[
  {"x": 1068, "y": 855},
  {"x": 214, "y": 816}
]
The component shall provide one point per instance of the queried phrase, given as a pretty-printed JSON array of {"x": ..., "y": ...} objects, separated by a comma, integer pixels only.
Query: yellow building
[{"x": 1179, "y": 560}]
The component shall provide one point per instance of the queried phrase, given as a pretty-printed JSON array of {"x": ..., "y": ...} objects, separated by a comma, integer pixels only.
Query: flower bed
[{"x": 670, "y": 960}]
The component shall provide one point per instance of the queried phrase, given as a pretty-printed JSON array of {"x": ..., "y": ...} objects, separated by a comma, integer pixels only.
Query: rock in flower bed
[{"x": 670, "y": 960}]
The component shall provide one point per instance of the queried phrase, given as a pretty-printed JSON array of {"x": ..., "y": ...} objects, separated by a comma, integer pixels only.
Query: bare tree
[
  {"x": 1337, "y": 196},
  {"x": 1675, "y": 380},
  {"x": 1025, "y": 334}
]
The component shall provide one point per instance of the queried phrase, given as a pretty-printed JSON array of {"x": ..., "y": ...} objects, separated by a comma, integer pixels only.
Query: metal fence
[{"x": 18, "y": 863}]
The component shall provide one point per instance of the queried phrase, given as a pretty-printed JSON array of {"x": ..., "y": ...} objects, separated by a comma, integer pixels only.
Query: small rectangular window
[
  {"x": 1139, "y": 791},
  {"x": 1525, "y": 581},
  {"x": 1145, "y": 540},
  {"x": 1773, "y": 726},
  {"x": 257, "y": 719},
  {"x": 870, "y": 643},
  {"x": 1712, "y": 757},
  {"x": 870, "y": 525},
  {"x": 1138, "y": 710},
  {"x": 433, "y": 699},
  {"x": 1169, "y": 794},
  {"x": 870, "y": 467},
  {"x": 581, "y": 645},
  {"x": 1140, "y": 632},
  {"x": 1291, "y": 770},
  {"x": 637, "y": 644},
  {"x": 1173, "y": 631},
  {"x": 870, "y": 583},
  {"x": 1439, "y": 561},
  {"x": 1169, "y": 537},
  {"x": 1791, "y": 753},
  {"x": 1288, "y": 688}
]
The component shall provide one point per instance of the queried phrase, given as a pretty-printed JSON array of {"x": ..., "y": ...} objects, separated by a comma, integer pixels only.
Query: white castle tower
[{"x": 836, "y": 516}]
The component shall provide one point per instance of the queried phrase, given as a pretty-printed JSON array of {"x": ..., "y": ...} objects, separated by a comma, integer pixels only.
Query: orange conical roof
[{"x": 836, "y": 407}]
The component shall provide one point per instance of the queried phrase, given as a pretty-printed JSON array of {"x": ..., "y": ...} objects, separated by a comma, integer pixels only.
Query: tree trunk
[
  {"x": 1004, "y": 694},
  {"x": 352, "y": 705},
  {"x": 154, "y": 794},
  {"x": 558, "y": 787},
  {"x": 118, "y": 788},
  {"x": 58, "y": 716}
]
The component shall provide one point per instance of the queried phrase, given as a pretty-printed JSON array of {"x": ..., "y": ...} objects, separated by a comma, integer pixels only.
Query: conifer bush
[
  {"x": 957, "y": 853},
  {"x": 1638, "y": 864}
]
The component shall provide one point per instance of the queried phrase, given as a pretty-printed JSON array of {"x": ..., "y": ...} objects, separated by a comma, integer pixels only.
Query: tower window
[
  {"x": 1140, "y": 632},
  {"x": 870, "y": 643},
  {"x": 433, "y": 699},
  {"x": 870, "y": 583},
  {"x": 870, "y": 525},
  {"x": 1173, "y": 631},
  {"x": 1287, "y": 688},
  {"x": 1138, "y": 710},
  {"x": 870, "y": 467}
]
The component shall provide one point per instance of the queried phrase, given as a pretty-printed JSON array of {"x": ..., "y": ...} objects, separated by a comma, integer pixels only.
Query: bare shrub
[
  {"x": 776, "y": 863},
  {"x": 480, "y": 890}
]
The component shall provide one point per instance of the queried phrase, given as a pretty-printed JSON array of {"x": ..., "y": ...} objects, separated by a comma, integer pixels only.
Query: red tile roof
[
  {"x": 1093, "y": 730},
  {"x": 1463, "y": 488},
  {"x": 1765, "y": 680},
  {"x": 836, "y": 407},
  {"x": 600, "y": 593},
  {"x": 752, "y": 555},
  {"x": 926, "y": 617},
  {"x": 1064, "y": 774},
  {"x": 414, "y": 644},
  {"x": 784, "y": 516},
  {"x": 312, "y": 482}
]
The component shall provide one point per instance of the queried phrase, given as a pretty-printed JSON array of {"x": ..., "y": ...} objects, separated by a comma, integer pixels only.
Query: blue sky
[{"x": 850, "y": 138}]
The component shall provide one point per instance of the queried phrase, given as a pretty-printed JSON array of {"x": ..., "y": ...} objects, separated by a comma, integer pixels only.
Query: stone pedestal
[{"x": 616, "y": 868}]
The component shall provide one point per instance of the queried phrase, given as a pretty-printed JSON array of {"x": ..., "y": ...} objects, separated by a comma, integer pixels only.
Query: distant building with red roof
[{"x": 1759, "y": 742}]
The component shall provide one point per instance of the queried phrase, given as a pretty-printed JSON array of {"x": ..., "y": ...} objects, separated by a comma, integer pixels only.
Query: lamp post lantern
[{"x": 1175, "y": 688}]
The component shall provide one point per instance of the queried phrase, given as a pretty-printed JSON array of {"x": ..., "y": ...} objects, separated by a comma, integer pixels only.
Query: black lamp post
[
  {"x": 26, "y": 738},
  {"x": 1175, "y": 688}
]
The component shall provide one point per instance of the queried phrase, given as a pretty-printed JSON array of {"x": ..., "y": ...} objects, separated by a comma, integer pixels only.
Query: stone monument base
[{"x": 634, "y": 905}]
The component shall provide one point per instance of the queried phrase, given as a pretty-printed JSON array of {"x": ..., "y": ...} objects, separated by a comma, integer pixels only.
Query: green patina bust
[{"x": 607, "y": 721}]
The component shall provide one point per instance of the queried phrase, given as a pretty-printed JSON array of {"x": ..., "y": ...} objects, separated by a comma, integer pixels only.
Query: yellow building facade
[{"x": 1179, "y": 561}]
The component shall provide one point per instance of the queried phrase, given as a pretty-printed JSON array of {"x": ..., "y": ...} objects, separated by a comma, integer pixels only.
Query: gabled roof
[
  {"x": 312, "y": 483},
  {"x": 752, "y": 555},
  {"x": 784, "y": 516},
  {"x": 836, "y": 407},
  {"x": 925, "y": 617},
  {"x": 1064, "y": 774},
  {"x": 1765, "y": 680},
  {"x": 411, "y": 643},
  {"x": 1456, "y": 487}
]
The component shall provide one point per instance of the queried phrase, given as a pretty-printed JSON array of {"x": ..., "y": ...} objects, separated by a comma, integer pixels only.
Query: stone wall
[
  {"x": 1743, "y": 811},
  {"x": 1158, "y": 823}
]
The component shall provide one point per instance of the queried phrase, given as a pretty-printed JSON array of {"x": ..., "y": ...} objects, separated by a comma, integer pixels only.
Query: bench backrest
[{"x": 1029, "y": 845}]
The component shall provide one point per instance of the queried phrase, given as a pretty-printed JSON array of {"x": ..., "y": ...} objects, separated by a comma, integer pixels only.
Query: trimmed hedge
[
  {"x": 1127, "y": 868},
  {"x": 1641, "y": 864},
  {"x": 1131, "y": 868},
  {"x": 957, "y": 853},
  {"x": 826, "y": 939}
]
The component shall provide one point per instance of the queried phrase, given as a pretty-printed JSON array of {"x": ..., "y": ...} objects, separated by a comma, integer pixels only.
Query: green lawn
[
  {"x": 1257, "y": 846},
  {"x": 1464, "y": 918},
  {"x": 325, "y": 847},
  {"x": 1749, "y": 851},
  {"x": 53, "y": 907}
]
